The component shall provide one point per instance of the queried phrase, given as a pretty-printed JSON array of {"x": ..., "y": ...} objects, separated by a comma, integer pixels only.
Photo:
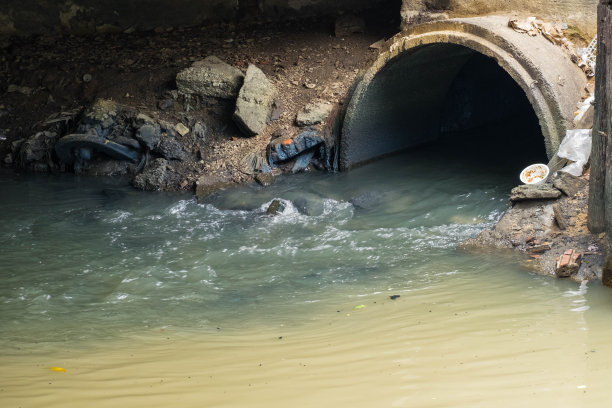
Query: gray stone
[
  {"x": 277, "y": 110},
  {"x": 528, "y": 192},
  {"x": 209, "y": 184},
  {"x": 153, "y": 177},
  {"x": 254, "y": 103},
  {"x": 149, "y": 134},
  {"x": 199, "y": 131},
  {"x": 170, "y": 149},
  {"x": 210, "y": 77},
  {"x": 265, "y": 179},
  {"x": 349, "y": 24},
  {"x": 276, "y": 207},
  {"x": 313, "y": 113},
  {"x": 569, "y": 183}
]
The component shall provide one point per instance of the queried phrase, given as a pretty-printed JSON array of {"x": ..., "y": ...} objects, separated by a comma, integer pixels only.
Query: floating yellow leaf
[{"x": 58, "y": 369}]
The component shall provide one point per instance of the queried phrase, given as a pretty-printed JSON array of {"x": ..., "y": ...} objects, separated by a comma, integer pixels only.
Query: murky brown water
[{"x": 156, "y": 301}]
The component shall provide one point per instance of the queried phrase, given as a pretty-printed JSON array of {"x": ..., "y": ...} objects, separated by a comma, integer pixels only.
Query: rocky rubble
[
  {"x": 544, "y": 223},
  {"x": 185, "y": 96}
]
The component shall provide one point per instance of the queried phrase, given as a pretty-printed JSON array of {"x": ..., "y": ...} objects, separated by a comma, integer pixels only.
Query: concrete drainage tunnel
[{"x": 450, "y": 90}]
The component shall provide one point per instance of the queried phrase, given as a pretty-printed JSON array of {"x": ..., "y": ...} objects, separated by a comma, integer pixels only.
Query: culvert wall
[{"x": 399, "y": 100}]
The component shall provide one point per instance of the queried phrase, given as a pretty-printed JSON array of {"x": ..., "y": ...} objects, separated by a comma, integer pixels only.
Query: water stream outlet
[{"x": 457, "y": 74}]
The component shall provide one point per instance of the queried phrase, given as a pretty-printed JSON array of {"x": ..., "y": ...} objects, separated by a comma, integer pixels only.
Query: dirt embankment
[{"x": 50, "y": 82}]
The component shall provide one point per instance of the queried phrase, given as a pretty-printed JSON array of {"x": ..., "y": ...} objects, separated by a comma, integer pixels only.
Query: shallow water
[{"x": 151, "y": 299}]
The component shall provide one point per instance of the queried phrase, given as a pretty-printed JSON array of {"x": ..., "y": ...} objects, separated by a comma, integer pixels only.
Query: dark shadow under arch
[{"x": 451, "y": 96}]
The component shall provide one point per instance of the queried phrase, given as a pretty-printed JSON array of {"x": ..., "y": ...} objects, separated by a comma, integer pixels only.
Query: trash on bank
[
  {"x": 576, "y": 147},
  {"x": 534, "y": 174}
]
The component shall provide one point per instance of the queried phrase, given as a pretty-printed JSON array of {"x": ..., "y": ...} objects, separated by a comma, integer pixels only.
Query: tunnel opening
[{"x": 448, "y": 98}]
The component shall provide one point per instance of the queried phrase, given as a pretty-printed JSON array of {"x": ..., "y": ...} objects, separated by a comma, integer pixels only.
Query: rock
[
  {"x": 37, "y": 148},
  {"x": 538, "y": 249},
  {"x": 559, "y": 216},
  {"x": 254, "y": 103},
  {"x": 149, "y": 135},
  {"x": 568, "y": 263},
  {"x": 283, "y": 149},
  {"x": 276, "y": 207},
  {"x": 367, "y": 200},
  {"x": 377, "y": 45},
  {"x": 153, "y": 177},
  {"x": 534, "y": 192},
  {"x": 265, "y": 179},
  {"x": 526, "y": 219},
  {"x": 277, "y": 110},
  {"x": 311, "y": 206},
  {"x": 199, "y": 131},
  {"x": 102, "y": 116},
  {"x": 181, "y": 129},
  {"x": 485, "y": 240},
  {"x": 349, "y": 24},
  {"x": 210, "y": 77},
  {"x": 313, "y": 113},
  {"x": 165, "y": 104},
  {"x": 208, "y": 184},
  {"x": 569, "y": 184},
  {"x": 169, "y": 148}
]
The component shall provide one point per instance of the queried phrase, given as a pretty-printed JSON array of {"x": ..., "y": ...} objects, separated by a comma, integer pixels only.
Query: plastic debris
[
  {"x": 359, "y": 307},
  {"x": 58, "y": 369},
  {"x": 576, "y": 147}
]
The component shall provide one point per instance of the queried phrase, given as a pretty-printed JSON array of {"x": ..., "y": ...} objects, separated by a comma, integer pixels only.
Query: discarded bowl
[{"x": 535, "y": 174}]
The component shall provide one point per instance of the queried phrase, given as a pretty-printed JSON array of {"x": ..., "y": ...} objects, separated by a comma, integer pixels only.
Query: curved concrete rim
[{"x": 549, "y": 79}]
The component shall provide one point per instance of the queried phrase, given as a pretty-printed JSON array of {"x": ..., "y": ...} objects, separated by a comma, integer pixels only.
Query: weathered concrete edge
[{"x": 552, "y": 89}]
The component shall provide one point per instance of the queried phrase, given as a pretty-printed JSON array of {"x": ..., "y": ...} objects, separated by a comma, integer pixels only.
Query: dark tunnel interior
[{"x": 448, "y": 98}]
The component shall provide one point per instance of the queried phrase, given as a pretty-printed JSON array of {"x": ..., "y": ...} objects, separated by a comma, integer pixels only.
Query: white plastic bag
[{"x": 576, "y": 146}]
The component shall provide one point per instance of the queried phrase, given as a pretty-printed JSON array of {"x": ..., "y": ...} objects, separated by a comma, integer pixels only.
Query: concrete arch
[{"x": 410, "y": 79}]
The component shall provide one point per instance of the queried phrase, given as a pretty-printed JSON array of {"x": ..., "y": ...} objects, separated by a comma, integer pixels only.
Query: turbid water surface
[{"x": 153, "y": 300}]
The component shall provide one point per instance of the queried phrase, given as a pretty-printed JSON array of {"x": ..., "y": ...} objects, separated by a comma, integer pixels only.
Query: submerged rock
[
  {"x": 254, "y": 103},
  {"x": 309, "y": 205},
  {"x": 210, "y": 183},
  {"x": 210, "y": 77},
  {"x": 368, "y": 200}
]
